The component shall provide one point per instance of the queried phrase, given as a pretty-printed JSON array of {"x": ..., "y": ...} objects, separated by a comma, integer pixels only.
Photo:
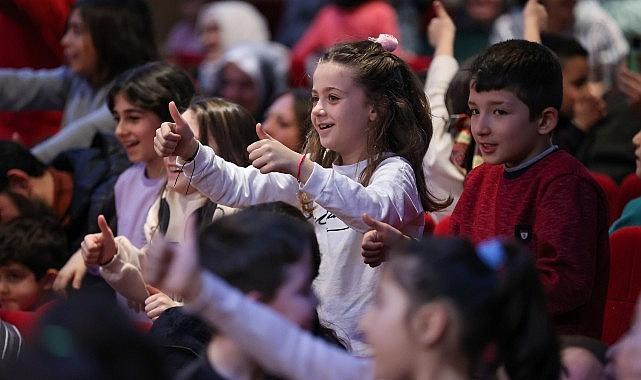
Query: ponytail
[{"x": 526, "y": 344}]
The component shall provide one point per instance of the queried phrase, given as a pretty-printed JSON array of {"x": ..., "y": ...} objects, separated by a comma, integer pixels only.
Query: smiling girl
[
  {"x": 95, "y": 56},
  {"x": 372, "y": 128}
]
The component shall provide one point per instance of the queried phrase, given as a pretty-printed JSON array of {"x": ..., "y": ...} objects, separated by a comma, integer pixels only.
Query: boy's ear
[
  {"x": 46, "y": 282},
  {"x": 548, "y": 120},
  {"x": 429, "y": 323},
  {"x": 19, "y": 182}
]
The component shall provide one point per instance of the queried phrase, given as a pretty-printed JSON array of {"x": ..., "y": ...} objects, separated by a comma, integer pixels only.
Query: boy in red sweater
[{"x": 528, "y": 189}]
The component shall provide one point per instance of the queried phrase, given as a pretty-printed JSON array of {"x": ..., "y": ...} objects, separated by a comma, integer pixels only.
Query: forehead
[
  {"x": 333, "y": 75},
  {"x": 494, "y": 97}
]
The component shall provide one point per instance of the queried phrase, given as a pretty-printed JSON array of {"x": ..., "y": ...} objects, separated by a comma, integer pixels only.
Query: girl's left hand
[
  {"x": 269, "y": 155},
  {"x": 157, "y": 302}
]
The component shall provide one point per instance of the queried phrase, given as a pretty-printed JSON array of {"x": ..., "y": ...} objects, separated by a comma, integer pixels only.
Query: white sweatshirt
[{"x": 344, "y": 284}]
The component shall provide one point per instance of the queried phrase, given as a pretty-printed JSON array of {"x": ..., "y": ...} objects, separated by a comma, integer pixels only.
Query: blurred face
[
  {"x": 19, "y": 289},
  {"x": 341, "y": 112},
  {"x": 281, "y": 123},
  {"x": 636, "y": 140},
  {"x": 79, "y": 50},
  {"x": 295, "y": 299},
  {"x": 238, "y": 87},
  {"x": 210, "y": 38},
  {"x": 385, "y": 325},
  {"x": 575, "y": 83},
  {"x": 8, "y": 209},
  {"x": 502, "y": 128},
  {"x": 560, "y": 14},
  {"x": 135, "y": 130},
  {"x": 485, "y": 11}
]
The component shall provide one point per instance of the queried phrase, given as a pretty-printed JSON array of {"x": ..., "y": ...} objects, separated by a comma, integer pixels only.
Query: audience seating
[
  {"x": 443, "y": 226},
  {"x": 629, "y": 189},
  {"x": 611, "y": 190},
  {"x": 624, "y": 284}
]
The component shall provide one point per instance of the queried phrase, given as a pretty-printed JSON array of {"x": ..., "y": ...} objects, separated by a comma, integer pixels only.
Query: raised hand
[
  {"x": 175, "y": 139},
  {"x": 270, "y": 155},
  {"x": 441, "y": 31},
  {"x": 535, "y": 19},
  {"x": 100, "y": 248},
  {"x": 73, "y": 271},
  {"x": 629, "y": 83},
  {"x": 377, "y": 241},
  {"x": 174, "y": 269},
  {"x": 157, "y": 303}
]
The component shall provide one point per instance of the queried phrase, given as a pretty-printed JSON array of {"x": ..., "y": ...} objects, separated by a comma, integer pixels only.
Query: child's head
[
  {"x": 138, "y": 101},
  {"x": 225, "y": 126},
  {"x": 31, "y": 251},
  {"x": 496, "y": 301},
  {"x": 515, "y": 94},
  {"x": 287, "y": 118},
  {"x": 267, "y": 255},
  {"x": 106, "y": 37},
  {"x": 367, "y": 102},
  {"x": 575, "y": 66}
]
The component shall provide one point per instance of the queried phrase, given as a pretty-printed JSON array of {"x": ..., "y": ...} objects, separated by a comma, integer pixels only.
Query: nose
[
  {"x": 65, "y": 39},
  {"x": 121, "y": 129},
  {"x": 318, "y": 109},
  {"x": 480, "y": 125}
]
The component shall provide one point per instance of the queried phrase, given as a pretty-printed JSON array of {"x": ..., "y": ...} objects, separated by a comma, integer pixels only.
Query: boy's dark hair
[
  {"x": 528, "y": 69},
  {"x": 502, "y": 305},
  {"x": 252, "y": 249},
  {"x": 15, "y": 156},
  {"x": 152, "y": 86},
  {"x": 122, "y": 33},
  {"x": 563, "y": 46},
  {"x": 39, "y": 243}
]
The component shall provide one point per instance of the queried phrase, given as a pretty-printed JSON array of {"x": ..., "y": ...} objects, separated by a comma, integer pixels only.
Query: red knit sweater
[{"x": 560, "y": 213}]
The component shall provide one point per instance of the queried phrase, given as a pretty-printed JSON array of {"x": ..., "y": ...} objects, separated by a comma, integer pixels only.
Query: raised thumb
[
  {"x": 372, "y": 223},
  {"x": 181, "y": 123},
  {"x": 260, "y": 131},
  {"x": 104, "y": 227}
]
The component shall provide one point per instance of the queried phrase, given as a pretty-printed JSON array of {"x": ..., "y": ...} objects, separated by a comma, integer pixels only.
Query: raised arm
[{"x": 28, "y": 89}]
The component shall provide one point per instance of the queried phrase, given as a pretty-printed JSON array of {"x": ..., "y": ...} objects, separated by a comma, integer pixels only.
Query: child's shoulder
[{"x": 562, "y": 164}]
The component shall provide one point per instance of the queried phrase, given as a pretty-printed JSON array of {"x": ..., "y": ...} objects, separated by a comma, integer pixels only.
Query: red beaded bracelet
[{"x": 300, "y": 165}]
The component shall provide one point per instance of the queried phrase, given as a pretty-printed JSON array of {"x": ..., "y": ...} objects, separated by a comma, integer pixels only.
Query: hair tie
[
  {"x": 387, "y": 41},
  {"x": 491, "y": 252}
]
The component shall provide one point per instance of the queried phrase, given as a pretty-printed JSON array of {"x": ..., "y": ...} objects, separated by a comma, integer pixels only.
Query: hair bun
[{"x": 387, "y": 41}]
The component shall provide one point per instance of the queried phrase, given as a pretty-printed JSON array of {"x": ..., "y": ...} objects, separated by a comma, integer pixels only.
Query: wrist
[
  {"x": 110, "y": 259},
  {"x": 191, "y": 151}
]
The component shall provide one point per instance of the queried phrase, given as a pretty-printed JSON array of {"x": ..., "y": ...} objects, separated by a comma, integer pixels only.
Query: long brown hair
[{"x": 403, "y": 126}]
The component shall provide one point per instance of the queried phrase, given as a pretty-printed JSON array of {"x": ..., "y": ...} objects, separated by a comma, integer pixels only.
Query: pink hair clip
[{"x": 387, "y": 41}]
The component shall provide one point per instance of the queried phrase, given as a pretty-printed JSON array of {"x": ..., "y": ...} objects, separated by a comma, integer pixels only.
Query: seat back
[
  {"x": 624, "y": 284},
  {"x": 443, "y": 226},
  {"x": 629, "y": 189},
  {"x": 611, "y": 190}
]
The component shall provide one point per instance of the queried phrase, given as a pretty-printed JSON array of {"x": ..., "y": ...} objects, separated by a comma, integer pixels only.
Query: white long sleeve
[
  {"x": 274, "y": 342},
  {"x": 443, "y": 178},
  {"x": 344, "y": 283},
  {"x": 123, "y": 272}
]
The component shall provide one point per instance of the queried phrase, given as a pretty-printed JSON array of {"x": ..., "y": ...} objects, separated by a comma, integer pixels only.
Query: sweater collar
[{"x": 516, "y": 171}]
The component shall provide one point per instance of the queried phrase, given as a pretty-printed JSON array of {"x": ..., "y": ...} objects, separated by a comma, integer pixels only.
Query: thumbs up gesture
[
  {"x": 269, "y": 155},
  {"x": 175, "y": 139},
  {"x": 376, "y": 242},
  {"x": 100, "y": 248},
  {"x": 441, "y": 31}
]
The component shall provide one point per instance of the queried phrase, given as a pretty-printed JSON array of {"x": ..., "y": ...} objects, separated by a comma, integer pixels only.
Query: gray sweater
[{"x": 84, "y": 107}]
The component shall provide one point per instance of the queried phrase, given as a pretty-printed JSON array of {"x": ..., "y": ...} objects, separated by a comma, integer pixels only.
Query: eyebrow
[{"x": 325, "y": 89}]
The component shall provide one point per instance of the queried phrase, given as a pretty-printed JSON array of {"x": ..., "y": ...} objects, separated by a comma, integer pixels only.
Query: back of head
[
  {"x": 122, "y": 33},
  {"x": 563, "y": 46},
  {"x": 252, "y": 249},
  {"x": 231, "y": 126},
  {"x": 528, "y": 69},
  {"x": 497, "y": 297},
  {"x": 39, "y": 243},
  {"x": 152, "y": 86},
  {"x": 403, "y": 124},
  {"x": 15, "y": 156}
]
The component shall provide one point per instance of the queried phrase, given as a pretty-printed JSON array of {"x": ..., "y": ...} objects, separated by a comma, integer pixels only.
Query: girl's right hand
[
  {"x": 441, "y": 31},
  {"x": 100, "y": 248},
  {"x": 175, "y": 139}
]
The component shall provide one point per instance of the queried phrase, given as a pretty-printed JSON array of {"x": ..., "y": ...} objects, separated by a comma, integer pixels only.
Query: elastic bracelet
[{"x": 300, "y": 165}]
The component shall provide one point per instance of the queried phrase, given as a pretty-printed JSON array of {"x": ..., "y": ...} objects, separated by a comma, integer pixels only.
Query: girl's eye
[
  {"x": 473, "y": 112},
  {"x": 500, "y": 112},
  {"x": 332, "y": 98},
  {"x": 314, "y": 99}
]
